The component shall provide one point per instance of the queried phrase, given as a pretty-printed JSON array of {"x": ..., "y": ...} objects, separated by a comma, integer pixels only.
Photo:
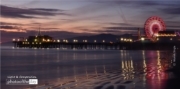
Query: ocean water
[{"x": 87, "y": 69}]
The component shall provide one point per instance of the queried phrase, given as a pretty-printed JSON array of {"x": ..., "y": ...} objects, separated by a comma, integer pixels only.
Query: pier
[
  {"x": 111, "y": 46},
  {"x": 163, "y": 40}
]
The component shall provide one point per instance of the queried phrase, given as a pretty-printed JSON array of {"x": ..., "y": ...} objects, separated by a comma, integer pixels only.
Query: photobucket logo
[
  {"x": 22, "y": 82},
  {"x": 33, "y": 81}
]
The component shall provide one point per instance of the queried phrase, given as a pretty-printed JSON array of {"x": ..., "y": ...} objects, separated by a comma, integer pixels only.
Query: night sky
[{"x": 69, "y": 18}]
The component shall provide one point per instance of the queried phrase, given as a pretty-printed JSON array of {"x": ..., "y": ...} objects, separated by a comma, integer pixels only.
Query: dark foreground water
[{"x": 87, "y": 69}]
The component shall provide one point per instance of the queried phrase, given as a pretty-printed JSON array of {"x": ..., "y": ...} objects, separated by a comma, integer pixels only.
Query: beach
[{"x": 88, "y": 69}]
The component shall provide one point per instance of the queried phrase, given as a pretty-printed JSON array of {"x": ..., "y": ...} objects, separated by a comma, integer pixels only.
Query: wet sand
[{"x": 92, "y": 69}]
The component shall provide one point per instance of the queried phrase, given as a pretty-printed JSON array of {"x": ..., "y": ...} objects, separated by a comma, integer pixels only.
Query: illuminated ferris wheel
[{"x": 153, "y": 25}]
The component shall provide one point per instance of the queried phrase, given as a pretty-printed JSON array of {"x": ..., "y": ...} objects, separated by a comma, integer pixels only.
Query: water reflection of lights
[
  {"x": 122, "y": 64},
  {"x": 144, "y": 67},
  {"x": 95, "y": 56},
  {"x": 85, "y": 56},
  {"x": 86, "y": 72},
  {"x": 74, "y": 56},
  {"x": 132, "y": 64},
  {"x": 174, "y": 56},
  {"x": 58, "y": 74},
  {"x": 158, "y": 65},
  {"x": 153, "y": 68},
  {"x": 144, "y": 61},
  {"x": 156, "y": 70},
  {"x": 103, "y": 56},
  {"x": 127, "y": 69},
  {"x": 74, "y": 70},
  {"x": 104, "y": 67},
  {"x": 127, "y": 66},
  {"x": 58, "y": 57},
  {"x": 96, "y": 72}
]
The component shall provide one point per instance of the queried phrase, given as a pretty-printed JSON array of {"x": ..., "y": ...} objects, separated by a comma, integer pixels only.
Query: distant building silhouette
[
  {"x": 167, "y": 36},
  {"x": 39, "y": 38}
]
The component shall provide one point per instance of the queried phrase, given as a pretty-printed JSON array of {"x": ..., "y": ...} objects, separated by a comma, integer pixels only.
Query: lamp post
[
  {"x": 35, "y": 39},
  {"x": 130, "y": 40},
  {"x": 122, "y": 39},
  {"x": 142, "y": 39},
  {"x": 13, "y": 39},
  {"x": 48, "y": 40},
  {"x": 103, "y": 41},
  {"x": 94, "y": 41}
]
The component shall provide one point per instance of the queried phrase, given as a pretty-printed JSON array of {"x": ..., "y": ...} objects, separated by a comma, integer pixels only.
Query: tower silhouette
[
  {"x": 139, "y": 33},
  {"x": 39, "y": 32}
]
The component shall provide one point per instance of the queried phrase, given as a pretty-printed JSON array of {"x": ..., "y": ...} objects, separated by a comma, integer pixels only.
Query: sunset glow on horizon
[{"x": 85, "y": 16}]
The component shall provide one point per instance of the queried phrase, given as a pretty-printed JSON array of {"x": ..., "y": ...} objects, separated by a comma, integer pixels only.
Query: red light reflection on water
[{"x": 155, "y": 72}]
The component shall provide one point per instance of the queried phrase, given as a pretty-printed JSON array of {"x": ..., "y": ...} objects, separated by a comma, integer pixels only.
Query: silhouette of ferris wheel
[{"x": 153, "y": 25}]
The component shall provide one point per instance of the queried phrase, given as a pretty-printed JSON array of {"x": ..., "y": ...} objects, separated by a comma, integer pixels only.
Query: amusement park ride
[{"x": 152, "y": 26}]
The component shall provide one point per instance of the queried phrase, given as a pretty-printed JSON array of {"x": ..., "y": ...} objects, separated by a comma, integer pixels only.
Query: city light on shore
[
  {"x": 142, "y": 39},
  {"x": 95, "y": 41},
  {"x": 13, "y": 39}
]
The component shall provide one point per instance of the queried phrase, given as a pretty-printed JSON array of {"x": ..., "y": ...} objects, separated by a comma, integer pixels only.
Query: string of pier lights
[
  {"x": 16, "y": 39},
  {"x": 64, "y": 40},
  {"x": 126, "y": 40},
  {"x": 75, "y": 40},
  {"x": 36, "y": 40}
]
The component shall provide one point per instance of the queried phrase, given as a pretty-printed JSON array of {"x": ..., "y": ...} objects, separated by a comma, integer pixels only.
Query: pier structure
[
  {"x": 65, "y": 44},
  {"x": 122, "y": 45},
  {"x": 156, "y": 37}
]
